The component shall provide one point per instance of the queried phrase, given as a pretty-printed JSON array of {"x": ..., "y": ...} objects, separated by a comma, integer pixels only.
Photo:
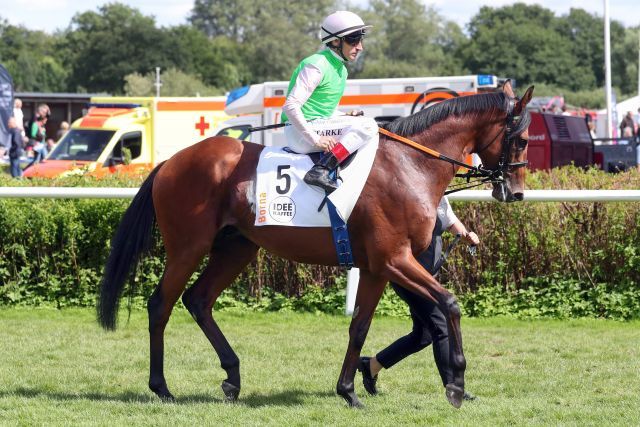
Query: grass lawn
[{"x": 58, "y": 367}]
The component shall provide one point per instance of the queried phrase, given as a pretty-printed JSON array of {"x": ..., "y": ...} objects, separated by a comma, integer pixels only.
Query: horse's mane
[{"x": 492, "y": 102}]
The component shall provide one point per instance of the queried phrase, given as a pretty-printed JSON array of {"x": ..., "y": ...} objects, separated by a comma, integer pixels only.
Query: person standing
[
  {"x": 314, "y": 91},
  {"x": 64, "y": 128},
  {"x": 429, "y": 323},
  {"x": 18, "y": 114},
  {"x": 16, "y": 147},
  {"x": 37, "y": 134},
  {"x": 627, "y": 122}
]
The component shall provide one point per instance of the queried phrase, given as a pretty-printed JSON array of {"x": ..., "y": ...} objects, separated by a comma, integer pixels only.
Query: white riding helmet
[{"x": 339, "y": 24}]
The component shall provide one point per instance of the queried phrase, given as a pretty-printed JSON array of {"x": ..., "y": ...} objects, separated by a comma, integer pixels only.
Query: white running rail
[
  {"x": 68, "y": 192},
  {"x": 465, "y": 195}
]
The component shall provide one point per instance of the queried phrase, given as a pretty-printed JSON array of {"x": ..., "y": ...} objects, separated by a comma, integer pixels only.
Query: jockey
[{"x": 315, "y": 89}]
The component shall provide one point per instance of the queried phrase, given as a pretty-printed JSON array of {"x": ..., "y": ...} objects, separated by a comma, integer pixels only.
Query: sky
[{"x": 50, "y": 15}]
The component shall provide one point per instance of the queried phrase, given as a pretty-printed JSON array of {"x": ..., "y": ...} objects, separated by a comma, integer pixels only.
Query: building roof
[{"x": 56, "y": 96}]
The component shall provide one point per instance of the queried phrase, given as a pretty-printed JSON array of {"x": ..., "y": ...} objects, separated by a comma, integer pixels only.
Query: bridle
[{"x": 513, "y": 127}]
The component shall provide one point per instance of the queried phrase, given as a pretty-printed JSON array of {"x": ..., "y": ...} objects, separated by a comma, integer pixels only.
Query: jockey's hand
[
  {"x": 355, "y": 113},
  {"x": 326, "y": 143},
  {"x": 471, "y": 238}
]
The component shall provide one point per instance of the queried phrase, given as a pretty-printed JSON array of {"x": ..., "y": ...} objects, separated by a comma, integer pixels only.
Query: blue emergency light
[
  {"x": 236, "y": 94},
  {"x": 485, "y": 80}
]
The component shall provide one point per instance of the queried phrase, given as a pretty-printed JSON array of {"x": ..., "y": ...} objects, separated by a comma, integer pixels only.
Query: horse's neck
[
  {"x": 413, "y": 174},
  {"x": 453, "y": 141}
]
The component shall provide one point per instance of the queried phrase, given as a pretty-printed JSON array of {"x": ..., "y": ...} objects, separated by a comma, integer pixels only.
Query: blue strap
[{"x": 340, "y": 234}]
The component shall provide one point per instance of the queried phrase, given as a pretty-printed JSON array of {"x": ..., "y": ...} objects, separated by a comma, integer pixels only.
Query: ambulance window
[
  {"x": 81, "y": 144},
  {"x": 132, "y": 142},
  {"x": 239, "y": 132}
]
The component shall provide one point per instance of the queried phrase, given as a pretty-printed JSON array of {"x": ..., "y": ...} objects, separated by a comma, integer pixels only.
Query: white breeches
[{"x": 352, "y": 132}]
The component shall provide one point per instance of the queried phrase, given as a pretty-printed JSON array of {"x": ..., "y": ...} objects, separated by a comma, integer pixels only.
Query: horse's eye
[{"x": 521, "y": 143}]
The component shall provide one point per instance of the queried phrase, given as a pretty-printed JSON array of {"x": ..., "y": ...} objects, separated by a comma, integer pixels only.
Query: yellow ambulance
[{"x": 131, "y": 134}]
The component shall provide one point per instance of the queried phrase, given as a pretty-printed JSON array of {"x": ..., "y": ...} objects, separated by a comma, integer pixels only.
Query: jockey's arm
[{"x": 306, "y": 82}]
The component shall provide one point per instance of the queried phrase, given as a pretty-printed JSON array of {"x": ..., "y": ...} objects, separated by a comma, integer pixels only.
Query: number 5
[{"x": 286, "y": 177}]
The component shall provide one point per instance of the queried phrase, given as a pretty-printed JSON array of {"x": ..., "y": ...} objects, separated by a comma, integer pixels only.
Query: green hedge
[
  {"x": 535, "y": 260},
  {"x": 553, "y": 259}
]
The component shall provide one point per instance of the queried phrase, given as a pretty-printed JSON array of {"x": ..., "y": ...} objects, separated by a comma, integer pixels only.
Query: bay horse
[{"x": 203, "y": 203}]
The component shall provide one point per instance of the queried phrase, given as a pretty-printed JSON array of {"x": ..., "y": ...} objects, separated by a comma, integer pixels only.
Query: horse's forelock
[{"x": 522, "y": 123}]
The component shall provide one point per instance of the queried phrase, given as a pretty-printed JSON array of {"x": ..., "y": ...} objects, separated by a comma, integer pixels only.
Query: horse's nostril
[{"x": 518, "y": 196}]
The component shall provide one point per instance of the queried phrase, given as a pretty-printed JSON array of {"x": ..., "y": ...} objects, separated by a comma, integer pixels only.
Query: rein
[
  {"x": 486, "y": 175},
  {"x": 494, "y": 176}
]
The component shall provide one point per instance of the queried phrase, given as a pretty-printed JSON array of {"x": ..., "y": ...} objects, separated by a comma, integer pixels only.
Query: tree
[
  {"x": 532, "y": 45},
  {"x": 522, "y": 42},
  {"x": 230, "y": 18},
  {"x": 174, "y": 83},
  {"x": 106, "y": 46},
  {"x": 137, "y": 84},
  {"x": 585, "y": 32},
  {"x": 408, "y": 39},
  {"x": 624, "y": 58},
  {"x": 275, "y": 35},
  {"x": 32, "y": 59},
  {"x": 219, "y": 61}
]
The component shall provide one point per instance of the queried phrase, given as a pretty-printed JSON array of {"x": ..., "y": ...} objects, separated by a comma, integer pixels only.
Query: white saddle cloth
[{"x": 283, "y": 198}]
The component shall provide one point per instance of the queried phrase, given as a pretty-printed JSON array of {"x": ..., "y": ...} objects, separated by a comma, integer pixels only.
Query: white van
[{"x": 383, "y": 99}]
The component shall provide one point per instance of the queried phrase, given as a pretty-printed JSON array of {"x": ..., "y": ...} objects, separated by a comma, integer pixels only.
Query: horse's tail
[{"x": 131, "y": 240}]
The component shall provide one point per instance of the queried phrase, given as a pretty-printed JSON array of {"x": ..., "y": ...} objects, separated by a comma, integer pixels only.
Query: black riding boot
[{"x": 318, "y": 175}]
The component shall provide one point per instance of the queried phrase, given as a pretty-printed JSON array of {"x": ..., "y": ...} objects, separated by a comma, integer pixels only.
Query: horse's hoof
[
  {"x": 351, "y": 398},
  {"x": 230, "y": 391},
  {"x": 163, "y": 393},
  {"x": 455, "y": 395},
  {"x": 168, "y": 398}
]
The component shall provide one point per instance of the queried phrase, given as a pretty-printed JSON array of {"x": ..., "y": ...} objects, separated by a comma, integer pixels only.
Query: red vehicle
[{"x": 557, "y": 140}]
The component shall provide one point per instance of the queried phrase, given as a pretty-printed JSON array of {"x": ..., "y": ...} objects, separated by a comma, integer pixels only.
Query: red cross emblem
[{"x": 202, "y": 126}]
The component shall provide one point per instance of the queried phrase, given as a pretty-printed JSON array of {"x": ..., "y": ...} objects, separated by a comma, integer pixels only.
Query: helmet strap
[{"x": 338, "y": 49}]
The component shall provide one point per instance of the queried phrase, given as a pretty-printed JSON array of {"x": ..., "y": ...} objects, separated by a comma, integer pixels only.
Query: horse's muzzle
[{"x": 502, "y": 193}]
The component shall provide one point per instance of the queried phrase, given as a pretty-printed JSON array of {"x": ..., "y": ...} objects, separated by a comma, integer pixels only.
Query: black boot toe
[
  {"x": 319, "y": 177},
  {"x": 368, "y": 380}
]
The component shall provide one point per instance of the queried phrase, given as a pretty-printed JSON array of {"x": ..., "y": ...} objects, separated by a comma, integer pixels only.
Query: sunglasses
[{"x": 354, "y": 38}]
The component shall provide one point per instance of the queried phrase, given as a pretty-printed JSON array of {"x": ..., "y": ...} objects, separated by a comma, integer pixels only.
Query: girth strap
[
  {"x": 340, "y": 234},
  {"x": 339, "y": 231}
]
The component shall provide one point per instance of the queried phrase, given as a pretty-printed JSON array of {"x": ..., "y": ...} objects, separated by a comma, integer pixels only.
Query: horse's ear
[
  {"x": 507, "y": 88},
  {"x": 526, "y": 98}
]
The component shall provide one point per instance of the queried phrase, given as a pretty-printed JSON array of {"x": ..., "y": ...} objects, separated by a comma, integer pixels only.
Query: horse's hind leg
[
  {"x": 229, "y": 257},
  {"x": 174, "y": 280}
]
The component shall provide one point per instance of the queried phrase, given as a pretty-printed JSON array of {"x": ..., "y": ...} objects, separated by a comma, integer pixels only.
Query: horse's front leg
[
  {"x": 409, "y": 274},
  {"x": 370, "y": 288}
]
